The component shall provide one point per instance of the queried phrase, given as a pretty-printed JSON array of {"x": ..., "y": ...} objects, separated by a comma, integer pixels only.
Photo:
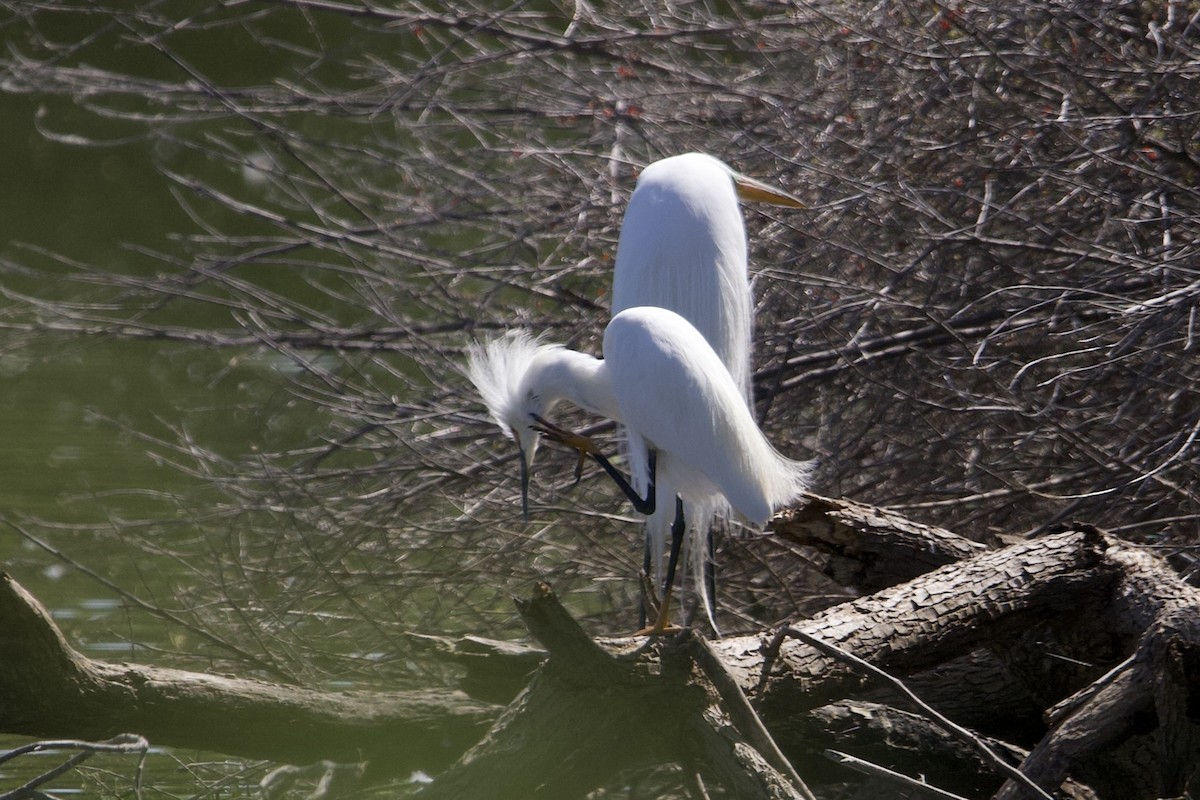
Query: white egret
[
  {"x": 683, "y": 247},
  {"x": 687, "y": 421}
]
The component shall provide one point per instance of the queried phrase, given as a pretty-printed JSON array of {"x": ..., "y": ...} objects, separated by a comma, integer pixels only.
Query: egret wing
[{"x": 674, "y": 392}]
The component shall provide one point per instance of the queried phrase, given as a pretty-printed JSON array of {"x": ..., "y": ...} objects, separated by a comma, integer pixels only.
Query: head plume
[{"x": 506, "y": 374}]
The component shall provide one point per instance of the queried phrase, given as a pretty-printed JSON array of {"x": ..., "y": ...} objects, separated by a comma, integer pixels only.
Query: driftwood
[
  {"x": 47, "y": 689},
  {"x": 1075, "y": 646}
]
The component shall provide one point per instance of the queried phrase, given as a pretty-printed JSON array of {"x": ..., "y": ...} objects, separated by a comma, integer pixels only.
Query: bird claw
[
  {"x": 661, "y": 627},
  {"x": 573, "y": 440},
  {"x": 662, "y": 621},
  {"x": 576, "y": 441}
]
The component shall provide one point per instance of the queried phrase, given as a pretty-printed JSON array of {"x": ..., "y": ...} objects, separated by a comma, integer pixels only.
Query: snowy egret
[
  {"x": 683, "y": 247},
  {"x": 687, "y": 421}
]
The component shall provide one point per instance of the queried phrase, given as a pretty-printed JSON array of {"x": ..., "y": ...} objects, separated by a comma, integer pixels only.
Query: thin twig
[
  {"x": 743, "y": 714},
  {"x": 122, "y": 743},
  {"x": 161, "y": 613},
  {"x": 864, "y": 666},
  {"x": 867, "y": 768}
]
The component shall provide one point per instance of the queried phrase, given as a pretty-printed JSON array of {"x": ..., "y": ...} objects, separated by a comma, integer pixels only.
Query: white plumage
[
  {"x": 662, "y": 380},
  {"x": 683, "y": 247},
  {"x": 675, "y": 396}
]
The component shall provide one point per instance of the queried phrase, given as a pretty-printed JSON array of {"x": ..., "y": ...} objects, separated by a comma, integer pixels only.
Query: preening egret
[
  {"x": 687, "y": 421},
  {"x": 683, "y": 247}
]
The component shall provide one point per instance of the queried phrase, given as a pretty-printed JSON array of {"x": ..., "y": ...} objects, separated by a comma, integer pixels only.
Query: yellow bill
[{"x": 750, "y": 189}]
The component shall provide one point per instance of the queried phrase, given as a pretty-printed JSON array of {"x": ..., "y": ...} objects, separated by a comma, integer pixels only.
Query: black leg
[
  {"x": 646, "y": 566},
  {"x": 642, "y": 505},
  {"x": 677, "y": 529},
  {"x": 585, "y": 445}
]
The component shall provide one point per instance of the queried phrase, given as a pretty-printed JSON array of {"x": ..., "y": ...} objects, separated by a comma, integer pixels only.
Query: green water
[
  {"x": 93, "y": 426},
  {"x": 61, "y": 455},
  {"x": 89, "y": 424}
]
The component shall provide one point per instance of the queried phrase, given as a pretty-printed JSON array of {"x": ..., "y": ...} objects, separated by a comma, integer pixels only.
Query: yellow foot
[
  {"x": 659, "y": 629},
  {"x": 573, "y": 440},
  {"x": 663, "y": 625}
]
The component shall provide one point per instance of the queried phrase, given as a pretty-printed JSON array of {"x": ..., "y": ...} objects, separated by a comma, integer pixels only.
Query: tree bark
[
  {"x": 1157, "y": 686},
  {"x": 871, "y": 548}
]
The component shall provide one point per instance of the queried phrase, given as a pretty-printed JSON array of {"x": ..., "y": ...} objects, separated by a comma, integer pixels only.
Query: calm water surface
[{"x": 73, "y": 411}]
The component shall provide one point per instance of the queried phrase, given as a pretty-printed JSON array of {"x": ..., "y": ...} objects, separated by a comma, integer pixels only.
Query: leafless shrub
[{"x": 987, "y": 317}]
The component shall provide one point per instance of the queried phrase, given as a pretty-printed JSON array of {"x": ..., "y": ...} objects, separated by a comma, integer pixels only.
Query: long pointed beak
[
  {"x": 750, "y": 189},
  {"x": 524, "y": 486}
]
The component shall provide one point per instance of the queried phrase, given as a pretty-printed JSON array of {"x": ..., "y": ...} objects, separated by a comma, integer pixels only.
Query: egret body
[
  {"x": 683, "y": 247},
  {"x": 662, "y": 380}
]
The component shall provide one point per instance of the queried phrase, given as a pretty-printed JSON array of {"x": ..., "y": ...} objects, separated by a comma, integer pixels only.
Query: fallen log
[
  {"x": 642, "y": 704},
  {"x": 48, "y": 689},
  {"x": 871, "y": 548},
  {"x": 972, "y": 637},
  {"x": 1156, "y": 687}
]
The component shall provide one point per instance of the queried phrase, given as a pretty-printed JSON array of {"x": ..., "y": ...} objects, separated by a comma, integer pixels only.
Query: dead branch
[
  {"x": 645, "y": 704},
  {"x": 871, "y": 548},
  {"x": 1148, "y": 687},
  {"x": 123, "y": 743},
  {"x": 47, "y": 689},
  {"x": 976, "y": 742}
]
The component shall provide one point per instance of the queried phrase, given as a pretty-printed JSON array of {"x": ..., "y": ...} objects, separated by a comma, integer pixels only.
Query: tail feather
[
  {"x": 789, "y": 480},
  {"x": 703, "y": 525}
]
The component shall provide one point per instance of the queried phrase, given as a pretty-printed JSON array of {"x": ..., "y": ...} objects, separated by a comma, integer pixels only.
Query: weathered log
[
  {"x": 977, "y": 690},
  {"x": 494, "y": 671},
  {"x": 1146, "y": 599},
  {"x": 642, "y": 704},
  {"x": 884, "y": 734},
  {"x": 871, "y": 548},
  {"x": 1157, "y": 685},
  {"x": 1010, "y": 602},
  {"x": 1037, "y": 580},
  {"x": 910, "y": 627},
  {"x": 929, "y": 620},
  {"x": 47, "y": 689}
]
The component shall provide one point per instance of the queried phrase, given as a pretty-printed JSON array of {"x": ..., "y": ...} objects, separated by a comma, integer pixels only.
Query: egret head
[
  {"x": 695, "y": 174},
  {"x": 504, "y": 371}
]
